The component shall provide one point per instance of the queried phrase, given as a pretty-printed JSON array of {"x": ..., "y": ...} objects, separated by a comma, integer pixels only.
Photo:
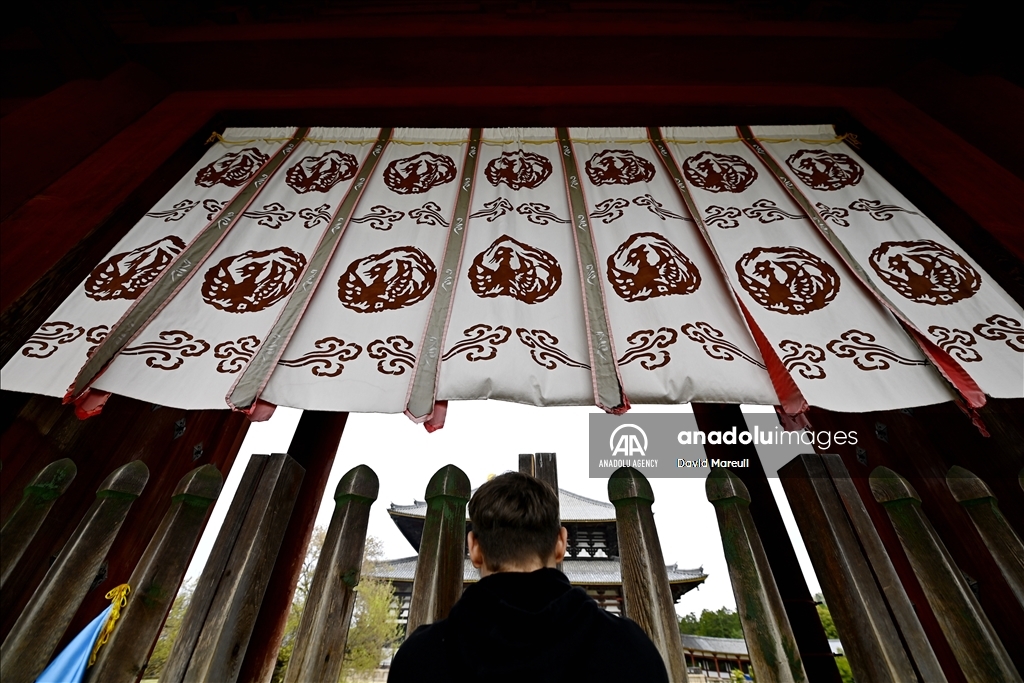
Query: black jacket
[{"x": 528, "y": 627}]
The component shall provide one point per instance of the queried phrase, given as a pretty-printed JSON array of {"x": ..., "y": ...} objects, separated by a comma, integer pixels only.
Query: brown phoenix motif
[
  {"x": 647, "y": 265},
  {"x": 618, "y": 167},
  {"x": 253, "y": 281},
  {"x": 419, "y": 173},
  {"x": 925, "y": 272},
  {"x": 518, "y": 169},
  {"x": 510, "y": 268},
  {"x": 320, "y": 174},
  {"x": 232, "y": 169},
  {"x": 393, "y": 279},
  {"x": 719, "y": 172},
  {"x": 821, "y": 170},
  {"x": 126, "y": 275},
  {"x": 788, "y": 280}
]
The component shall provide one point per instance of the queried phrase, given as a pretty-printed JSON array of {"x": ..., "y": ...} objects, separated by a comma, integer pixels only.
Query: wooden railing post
[
  {"x": 870, "y": 639},
  {"x": 30, "y": 644},
  {"x": 980, "y": 503},
  {"x": 645, "y": 586},
  {"x": 769, "y": 637},
  {"x": 320, "y": 643},
  {"x": 216, "y": 629},
  {"x": 441, "y": 563},
  {"x": 913, "y": 632},
  {"x": 21, "y": 527},
  {"x": 977, "y": 648},
  {"x": 156, "y": 579}
]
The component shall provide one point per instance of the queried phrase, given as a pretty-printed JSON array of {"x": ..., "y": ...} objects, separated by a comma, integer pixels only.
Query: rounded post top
[
  {"x": 889, "y": 487},
  {"x": 53, "y": 480},
  {"x": 722, "y": 484},
  {"x": 358, "y": 482},
  {"x": 966, "y": 485},
  {"x": 627, "y": 483},
  {"x": 448, "y": 481},
  {"x": 127, "y": 479},
  {"x": 203, "y": 482}
]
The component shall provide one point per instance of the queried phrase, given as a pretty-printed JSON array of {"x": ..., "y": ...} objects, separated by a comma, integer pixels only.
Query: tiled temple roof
[
  {"x": 589, "y": 572},
  {"x": 572, "y": 507}
]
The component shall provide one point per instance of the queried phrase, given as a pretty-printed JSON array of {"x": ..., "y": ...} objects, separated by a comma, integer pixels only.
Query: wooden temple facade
[{"x": 914, "y": 531}]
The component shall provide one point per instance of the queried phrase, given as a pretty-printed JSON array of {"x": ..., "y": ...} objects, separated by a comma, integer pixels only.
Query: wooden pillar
[
  {"x": 976, "y": 498},
  {"x": 904, "y": 612},
  {"x": 36, "y": 501},
  {"x": 215, "y": 632},
  {"x": 441, "y": 564},
  {"x": 800, "y": 609},
  {"x": 34, "y": 637},
  {"x": 543, "y": 466},
  {"x": 766, "y": 629},
  {"x": 870, "y": 639},
  {"x": 313, "y": 446},
  {"x": 977, "y": 647},
  {"x": 645, "y": 584},
  {"x": 320, "y": 643},
  {"x": 156, "y": 579}
]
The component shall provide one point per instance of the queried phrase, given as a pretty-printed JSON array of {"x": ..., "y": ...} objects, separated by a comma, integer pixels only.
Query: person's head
[{"x": 515, "y": 525}]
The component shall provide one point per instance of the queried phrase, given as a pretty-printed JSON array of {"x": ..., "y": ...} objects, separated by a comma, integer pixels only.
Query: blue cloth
[{"x": 71, "y": 663}]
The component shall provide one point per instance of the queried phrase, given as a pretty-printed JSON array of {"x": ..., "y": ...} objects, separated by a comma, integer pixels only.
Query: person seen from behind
[{"x": 523, "y": 621}]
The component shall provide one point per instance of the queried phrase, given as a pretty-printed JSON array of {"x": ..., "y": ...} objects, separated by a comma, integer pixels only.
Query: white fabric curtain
[{"x": 356, "y": 269}]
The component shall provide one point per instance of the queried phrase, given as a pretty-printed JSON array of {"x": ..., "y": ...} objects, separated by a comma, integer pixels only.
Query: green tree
[
  {"x": 721, "y": 623},
  {"x": 825, "y": 616},
  {"x": 169, "y": 633}
]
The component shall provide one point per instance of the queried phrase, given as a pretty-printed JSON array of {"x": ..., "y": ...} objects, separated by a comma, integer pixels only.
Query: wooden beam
[
  {"x": 441, "y": 562},
  {"x": 645, "y": 586},
  {"x": 1003, "y": 542},
  {"x": 34, "y": 637},
  {"x": 796, "y": 597},
  {"x": 36, "y": 501},
  {"x": 975, "y": 643},
  {"x": 156, "y": 579},
  {"x": 913, "y": 632},
  {"x": 216, "y": 629},
  {"x": 313, "y": 446},
  {"x": 871, "y": 641},
  {"x": 770, "y": 640},
  {"x": 323, "y": 631}
]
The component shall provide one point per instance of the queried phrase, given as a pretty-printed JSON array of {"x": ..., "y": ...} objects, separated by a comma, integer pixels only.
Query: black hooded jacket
[{"x": 529, "y": 628}]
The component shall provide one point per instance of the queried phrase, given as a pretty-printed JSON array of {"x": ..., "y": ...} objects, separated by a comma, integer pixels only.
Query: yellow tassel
[{"x": 119, "y": 597}]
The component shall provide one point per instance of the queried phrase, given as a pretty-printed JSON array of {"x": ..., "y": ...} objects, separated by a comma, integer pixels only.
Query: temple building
[{"x": 591, "y": 562}]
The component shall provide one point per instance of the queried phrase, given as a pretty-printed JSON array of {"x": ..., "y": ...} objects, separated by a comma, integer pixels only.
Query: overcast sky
[{"x": 486, "y": 437}]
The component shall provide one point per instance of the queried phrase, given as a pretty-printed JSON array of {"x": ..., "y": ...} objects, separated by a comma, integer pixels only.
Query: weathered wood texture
[
  {"x": 922, "y": 444},
  {"x": 871, "y": 641},
  {"x": 923, "y": 655},
  {"x": 313, "y": 446},
  {"x": 543, "y": 466},
  {"x": 1003, "y": 542},
  {"x": 170, "y": 442},
  {"x": 439, "y": 569},
  {"x": 36, "y": 500},
  {"x": 975, "y": 643},
  {"x": 216, "y": 629},
  {"x": 645, "y": 587},
  {"x": 30, "y": 644},
  {"x": 796, "y": 597},
  {"x": 320, "y": 643},
  {"x": 770, "y": 640},
  {"x": 156, "y": 579}
]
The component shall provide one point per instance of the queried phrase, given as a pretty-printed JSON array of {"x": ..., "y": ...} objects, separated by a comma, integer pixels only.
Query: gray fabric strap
[
  {"x": 608, "y": 393},
  {"x": 178, "y": 272},
  {"x": 423, "y": 392},
  {"x": 256, "y": 375}
]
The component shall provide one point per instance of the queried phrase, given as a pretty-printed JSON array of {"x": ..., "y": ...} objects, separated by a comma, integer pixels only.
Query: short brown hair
[{"x": 515, "y": 518}]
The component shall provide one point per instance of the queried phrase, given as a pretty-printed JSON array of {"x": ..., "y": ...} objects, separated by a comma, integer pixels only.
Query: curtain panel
[{"x": 392, "y": 270}]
